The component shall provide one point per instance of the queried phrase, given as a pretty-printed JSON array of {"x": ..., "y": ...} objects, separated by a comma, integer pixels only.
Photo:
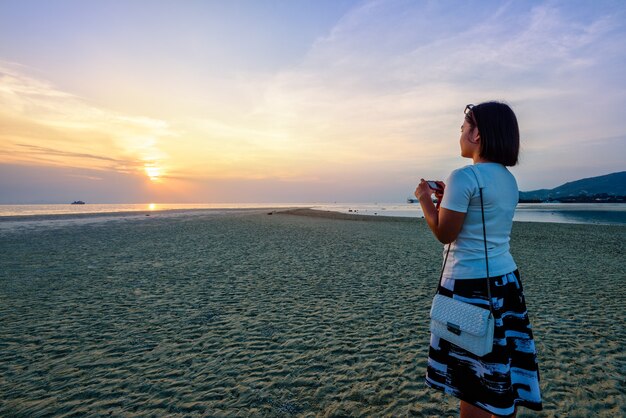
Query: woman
[{"x": 508, "y": 377}]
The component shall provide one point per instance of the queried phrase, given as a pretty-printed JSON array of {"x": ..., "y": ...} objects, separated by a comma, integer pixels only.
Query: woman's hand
[
  {"x": 423, "y": 190},
  {"x": 446, "y": 224},
  {"x": 439, "y": 193}
]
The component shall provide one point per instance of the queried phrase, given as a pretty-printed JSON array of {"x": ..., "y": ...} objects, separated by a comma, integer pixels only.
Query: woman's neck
[{"x": 478, "y": 159}]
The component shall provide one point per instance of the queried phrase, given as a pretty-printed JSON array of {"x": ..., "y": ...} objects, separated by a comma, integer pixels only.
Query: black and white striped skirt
[{"x": 509, "y": 375}]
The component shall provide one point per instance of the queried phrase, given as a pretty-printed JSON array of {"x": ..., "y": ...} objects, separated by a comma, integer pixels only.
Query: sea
[{"x": 572, "y": 213}]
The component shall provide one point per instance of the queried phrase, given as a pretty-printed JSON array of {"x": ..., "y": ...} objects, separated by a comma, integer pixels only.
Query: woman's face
[{"x": 468, "y": 140}]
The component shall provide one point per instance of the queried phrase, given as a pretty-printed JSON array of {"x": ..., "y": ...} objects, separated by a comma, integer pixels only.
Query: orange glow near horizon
[{"x": 175, "y": 156}]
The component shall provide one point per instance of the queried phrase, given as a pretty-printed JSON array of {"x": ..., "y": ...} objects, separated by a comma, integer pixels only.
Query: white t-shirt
[{"x": 500, "y": 197}]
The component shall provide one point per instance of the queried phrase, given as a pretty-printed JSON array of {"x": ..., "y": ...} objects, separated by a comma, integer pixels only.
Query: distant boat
[
  {"x": 409, "y": 200},
  {"x": 78, "y": 202}
]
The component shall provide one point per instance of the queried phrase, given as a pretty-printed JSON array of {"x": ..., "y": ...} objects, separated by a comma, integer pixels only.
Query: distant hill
[{"x": 610, "y": 187}]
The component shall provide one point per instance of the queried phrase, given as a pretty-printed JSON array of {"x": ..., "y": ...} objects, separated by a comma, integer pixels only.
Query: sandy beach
[{"x": 298, "y": 313}]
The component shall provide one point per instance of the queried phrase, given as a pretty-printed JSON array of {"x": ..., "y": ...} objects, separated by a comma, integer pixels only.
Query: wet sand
[{"x": 299, "y": 313}]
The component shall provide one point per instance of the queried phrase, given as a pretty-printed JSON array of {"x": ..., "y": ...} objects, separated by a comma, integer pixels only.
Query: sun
[{"x": 152, "y": 171}]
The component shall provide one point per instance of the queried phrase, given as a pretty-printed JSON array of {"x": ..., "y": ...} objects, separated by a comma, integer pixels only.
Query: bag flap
[{"x": 469, "y": 318}]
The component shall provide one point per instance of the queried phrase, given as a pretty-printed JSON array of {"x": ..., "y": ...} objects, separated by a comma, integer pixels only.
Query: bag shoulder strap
[
  {"x": 479, "y": 177},
  {"x": 481, "y": 185}
]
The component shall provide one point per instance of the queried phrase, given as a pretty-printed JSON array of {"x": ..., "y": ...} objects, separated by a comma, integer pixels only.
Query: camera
[{"x": 434, "y": 185}]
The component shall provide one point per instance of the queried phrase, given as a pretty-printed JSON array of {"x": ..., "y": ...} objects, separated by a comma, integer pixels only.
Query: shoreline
[
  {"x": 305, "y": 211},
  {"x": 128, "y": 213},
  {"x": 10, "y": 224},
  {"x": 316, "y": 213},
  {"x": 329, "y": 214}
]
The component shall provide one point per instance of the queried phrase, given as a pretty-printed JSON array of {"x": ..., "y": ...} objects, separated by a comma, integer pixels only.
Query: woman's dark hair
[{"x": 499, "y": 132}]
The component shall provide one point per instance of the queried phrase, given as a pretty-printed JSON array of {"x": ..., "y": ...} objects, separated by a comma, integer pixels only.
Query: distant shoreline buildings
[{"x": 583, "y": 198}]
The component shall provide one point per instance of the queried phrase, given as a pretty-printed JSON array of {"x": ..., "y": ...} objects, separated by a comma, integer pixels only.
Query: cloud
[
  {"x": 44, "y": 124},
  {"x": 390, "y": 81},
  {"x": 34, "y": 149}
]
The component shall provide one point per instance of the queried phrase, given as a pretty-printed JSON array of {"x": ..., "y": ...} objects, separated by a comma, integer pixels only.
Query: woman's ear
[{"x": 476, "y": 138}]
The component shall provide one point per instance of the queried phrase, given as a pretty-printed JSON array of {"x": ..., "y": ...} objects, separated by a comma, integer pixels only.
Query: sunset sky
[{"x": 297, "y": 101}]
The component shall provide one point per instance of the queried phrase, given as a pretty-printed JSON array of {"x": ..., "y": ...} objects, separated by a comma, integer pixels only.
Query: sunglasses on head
[{"x": 468, "y": 109}]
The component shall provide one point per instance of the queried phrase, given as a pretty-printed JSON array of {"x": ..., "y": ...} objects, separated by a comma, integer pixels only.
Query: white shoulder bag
[{"x": 467, "y": 326}]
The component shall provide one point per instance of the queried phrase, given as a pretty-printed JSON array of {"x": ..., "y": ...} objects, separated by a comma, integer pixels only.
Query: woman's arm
[{"x": 446, "y": 224}]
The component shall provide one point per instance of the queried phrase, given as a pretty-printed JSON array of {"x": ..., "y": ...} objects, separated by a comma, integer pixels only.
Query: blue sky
[{"x": 297, "y": 101}]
